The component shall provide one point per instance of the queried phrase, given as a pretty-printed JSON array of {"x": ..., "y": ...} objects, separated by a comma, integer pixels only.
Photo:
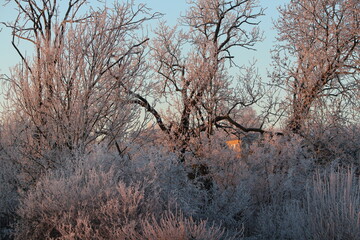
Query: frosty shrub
[
  {"x": 333, "y": 205},
  {"x": 175, "y": 226},
  {"x": 227, "y": 200},
  {"x": 8, "y": 195},
  {"x": 274, "y": 170},
  {"x": 165, "y": 176},
  {"x": 335, "y": 144},
  {"x": 224, "y": 201},
  {"x": 278, "y": 167},
  {"x": 84, "y": 200},
  {"x": 285, "y": 221},
  {"x": 330, "y": 210},
  {"x": 104, "y": 196}
]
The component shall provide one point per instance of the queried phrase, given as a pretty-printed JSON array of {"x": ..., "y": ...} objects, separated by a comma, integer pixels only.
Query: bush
[
  {"x": 227, "y": 201},
  {"x": 330, "y": 210},
  {"x": 101, "y": 196},
  {"x": 283, "y": 221},
  {"x": 278, "y": 168},
  {"x": 269, "y": 193},
  {"x": 9, "y": 196},
  {"x": 333, "y": 205},
  {"x": 178, "y": 227},
  {"x": 85, "y": 200}
]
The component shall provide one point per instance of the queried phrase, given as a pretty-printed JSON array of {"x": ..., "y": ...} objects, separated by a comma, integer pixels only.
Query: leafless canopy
[
  {"x": 64, "y": 93},
  {"x": 318, "y": 57},
  {"x": 191, "y": 65}
]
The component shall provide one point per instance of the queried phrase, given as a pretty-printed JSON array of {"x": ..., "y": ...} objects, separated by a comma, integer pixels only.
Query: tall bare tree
[
  {"x": 191, "y": 65},
  {"x": 317, "y": 59}
]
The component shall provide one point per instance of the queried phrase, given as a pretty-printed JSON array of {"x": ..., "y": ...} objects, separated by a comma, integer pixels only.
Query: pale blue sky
[{"x": 172, "y": 10}]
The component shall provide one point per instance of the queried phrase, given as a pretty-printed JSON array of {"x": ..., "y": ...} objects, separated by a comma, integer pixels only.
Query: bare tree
[
  {"x": 191, "y": 65},
  {"x": 64, "y": 95},
  {"x": 317, "y": 61}
]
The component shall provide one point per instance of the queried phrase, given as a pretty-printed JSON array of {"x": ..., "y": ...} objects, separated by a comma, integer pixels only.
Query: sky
[{"x": 172, "y": 10}]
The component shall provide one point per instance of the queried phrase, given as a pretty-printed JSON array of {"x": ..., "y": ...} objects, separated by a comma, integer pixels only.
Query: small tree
[{"x": 65, "y": 95}]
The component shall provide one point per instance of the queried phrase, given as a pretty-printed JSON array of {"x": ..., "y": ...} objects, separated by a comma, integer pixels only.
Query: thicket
[
  {"x": 278, "y": 191},
  {"x": 87, "y": 153}
]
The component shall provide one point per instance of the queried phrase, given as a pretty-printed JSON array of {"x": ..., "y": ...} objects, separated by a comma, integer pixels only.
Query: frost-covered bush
[
  {"x": 330, "y": 210},
  {"x": 282, "y": 221},
  {"x": 269, "y": 170},
  {"x": 207, "y": 186},
  {"x": 9, "y": 197},
  {"x": 333, "y": 205},
  {"x": 273, "y": 170},
  {"x": 8, "y": 188},
  {"x": 104, "y": 196},
  {"x": 162, "y": 171},
  {"x": 178, "y": 227},
  {"x": 86, "y": 200},
  {"x": 335, "y": 144},
  {"x": 267, "y": 192},
  {"x": 278, "y": 167},
  {"x": 228, "y": 200}
]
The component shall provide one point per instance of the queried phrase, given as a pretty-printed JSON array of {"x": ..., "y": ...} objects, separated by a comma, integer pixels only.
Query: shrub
[
  {"x": 228, "y": 201},
  {"x": 177, "y": 227},
  {"x": 282, "y": 221},
  {"x": 9, "y": 196},
  {"x": 333, "y": 205},
  {"x": 330, "y": 210},
  {"x": 86, "y": 200},
  {"x": 103, "y": 196},
  {"x": 278, "y": 168}
]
